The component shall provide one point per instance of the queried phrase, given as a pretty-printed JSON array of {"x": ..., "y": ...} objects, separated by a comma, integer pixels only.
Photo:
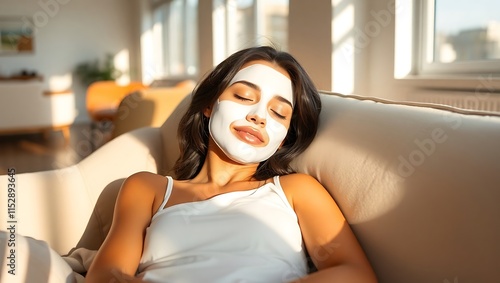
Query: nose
[{"x": 255, "y": 118}]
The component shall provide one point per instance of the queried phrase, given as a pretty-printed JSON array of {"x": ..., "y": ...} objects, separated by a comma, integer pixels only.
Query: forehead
[{"x": 271, "y": 79}]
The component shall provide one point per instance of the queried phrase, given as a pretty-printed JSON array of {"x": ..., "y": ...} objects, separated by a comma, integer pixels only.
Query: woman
[{"x": 236, "y": 212}]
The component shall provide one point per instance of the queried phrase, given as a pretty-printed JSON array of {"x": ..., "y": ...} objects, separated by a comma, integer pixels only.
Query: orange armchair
[
  {"x": 103, "y": 98},
  {"x": 149, "y": 107},
  {"x": 102, "y": 101}
]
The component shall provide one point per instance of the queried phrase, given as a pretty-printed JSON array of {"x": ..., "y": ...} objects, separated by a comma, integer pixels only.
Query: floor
[{"x": 36, "y": 152}]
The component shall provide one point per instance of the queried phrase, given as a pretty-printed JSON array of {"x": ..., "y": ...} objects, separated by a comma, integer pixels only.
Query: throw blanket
[
  {"x": 33, "y": 261},
  {"x": 79, "y": 260}
]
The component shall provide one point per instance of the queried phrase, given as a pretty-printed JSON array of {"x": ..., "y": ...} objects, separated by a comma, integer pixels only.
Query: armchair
[
  {"x": 103, "y": 98},
  {"x": 149, "y": 107}
]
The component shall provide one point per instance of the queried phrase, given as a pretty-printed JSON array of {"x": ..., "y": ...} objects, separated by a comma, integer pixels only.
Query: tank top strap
[
  {"x": 279, "y": 190},
  {"x": 276, "y": 181},
  {"x": 168, "y": 191}
]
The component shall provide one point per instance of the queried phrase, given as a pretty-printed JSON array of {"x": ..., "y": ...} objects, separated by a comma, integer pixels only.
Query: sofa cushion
[
  {"x": 169, "y": 136},
  {"x": 418, "y": 183}
]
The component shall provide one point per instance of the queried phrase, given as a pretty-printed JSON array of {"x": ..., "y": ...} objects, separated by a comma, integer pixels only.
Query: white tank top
[{"x": 242, "y": 236}]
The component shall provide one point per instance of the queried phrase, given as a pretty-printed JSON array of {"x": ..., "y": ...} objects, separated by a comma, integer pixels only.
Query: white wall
[
  {"x": 347, "y": 46},
  {"x": 334, "y": 53},
  {"x": 309, "y": 38},
  {"x": 69, "y": 32},
  {"x": 324, "y": 37},
  {"x": 381, "y": 47}
]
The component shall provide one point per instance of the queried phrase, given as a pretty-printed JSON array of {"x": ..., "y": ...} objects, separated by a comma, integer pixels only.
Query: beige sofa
[
  {"x": 419, "y": 184},
  {"x": 26, "y": 107}
]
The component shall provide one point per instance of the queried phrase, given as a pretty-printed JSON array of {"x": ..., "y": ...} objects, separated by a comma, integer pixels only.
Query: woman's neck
[{"x": 221, "y": 170}]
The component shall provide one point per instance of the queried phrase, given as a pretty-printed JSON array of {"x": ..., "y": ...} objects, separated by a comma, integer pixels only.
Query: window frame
[
  {"x": 426, "y": 65},
  {"x": 408, "y": 56}
]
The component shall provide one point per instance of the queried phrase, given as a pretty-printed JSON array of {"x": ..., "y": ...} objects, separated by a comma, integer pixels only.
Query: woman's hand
[{"x": 119, "y": 277}]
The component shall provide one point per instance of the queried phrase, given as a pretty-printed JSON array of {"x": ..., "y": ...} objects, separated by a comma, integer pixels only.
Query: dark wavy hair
[{"x": 193, "y": 133}]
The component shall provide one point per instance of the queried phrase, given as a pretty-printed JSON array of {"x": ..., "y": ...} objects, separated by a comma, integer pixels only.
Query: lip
[{"x": 245, "y": 133}]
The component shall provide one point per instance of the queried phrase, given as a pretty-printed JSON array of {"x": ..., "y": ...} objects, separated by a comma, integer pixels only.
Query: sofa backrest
[
  {"x": 169, "y": 137},
  {"x": 419, "y": 184}
]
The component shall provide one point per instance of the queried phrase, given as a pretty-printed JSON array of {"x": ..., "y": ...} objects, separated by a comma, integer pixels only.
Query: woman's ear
[
  {"x": 281, "y": 144},
  {"x": 207, "y": 112}
]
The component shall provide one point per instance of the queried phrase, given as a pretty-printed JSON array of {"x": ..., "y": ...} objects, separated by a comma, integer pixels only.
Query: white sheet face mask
[{"x": 232, "y": 130}]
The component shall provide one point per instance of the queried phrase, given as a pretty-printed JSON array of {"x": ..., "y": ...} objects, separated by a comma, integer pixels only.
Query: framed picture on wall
[{"x": 16, "y": 35}]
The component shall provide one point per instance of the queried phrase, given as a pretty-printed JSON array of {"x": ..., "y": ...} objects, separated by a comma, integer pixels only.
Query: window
[
  {"x": 244, "y": 23},
  {"x": 175, "y": 38},
  {"x": 447, "y": 38},
  {"x": 459, "y": 37}
]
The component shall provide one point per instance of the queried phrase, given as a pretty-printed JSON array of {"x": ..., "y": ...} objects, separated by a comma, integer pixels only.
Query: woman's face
[{"x": 251, "y": 118}]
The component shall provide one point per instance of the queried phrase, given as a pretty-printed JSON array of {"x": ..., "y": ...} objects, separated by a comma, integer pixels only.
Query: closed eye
[
  {"x": 279, "y": 115},
  {"x": 241, "y": 98}
]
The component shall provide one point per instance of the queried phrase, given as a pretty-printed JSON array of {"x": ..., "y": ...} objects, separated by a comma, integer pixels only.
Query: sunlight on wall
[
  {"x": 219, "y": 28},
  {"x": 147, "y": 57},
  {"x": 62, "y": 105},
  {"x": 61, "y": 83},
  {"x": 122, "y": 64},
  {"x": 343, "y": 47},
  {"x": 158, "y": 47},
  {"x": 403, "y": 48},
  {"x": 63, "y": 108}
]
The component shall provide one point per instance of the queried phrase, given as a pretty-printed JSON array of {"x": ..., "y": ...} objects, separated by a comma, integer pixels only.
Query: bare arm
[
  {"x": 118, "y": 258},
  {"x": 328, "y": 237}
]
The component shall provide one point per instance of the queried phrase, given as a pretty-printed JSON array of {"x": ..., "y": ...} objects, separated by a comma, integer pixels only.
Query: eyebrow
[{"x": 256, "y": 87}]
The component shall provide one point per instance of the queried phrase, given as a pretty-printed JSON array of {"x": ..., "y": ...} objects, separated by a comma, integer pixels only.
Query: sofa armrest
[
  {"x": 138, "y": 150},
  {"x": 49, "y": 206},
  {"x": 55, "y": 206}
]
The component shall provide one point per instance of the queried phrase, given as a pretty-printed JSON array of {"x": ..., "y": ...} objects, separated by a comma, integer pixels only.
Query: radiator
[{"x": 482, "y": 101}]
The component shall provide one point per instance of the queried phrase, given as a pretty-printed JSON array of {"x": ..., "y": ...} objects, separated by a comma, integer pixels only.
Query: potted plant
[{"x": 93, "y": 71}]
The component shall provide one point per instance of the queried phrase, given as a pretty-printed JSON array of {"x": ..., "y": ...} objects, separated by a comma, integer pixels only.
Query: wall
[
  {"x": 205, "y": 37},
  {"x": 381, "y": 48},
  {"x": 69, "y": 32},
  {"x": 315, "y": 40},
  {"x": 309, "y": 38},
  {"x": 325, "y": 36}
]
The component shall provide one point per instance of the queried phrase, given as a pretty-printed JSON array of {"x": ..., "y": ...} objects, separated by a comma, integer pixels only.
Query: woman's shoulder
[
  {"x": 144, "y": 185},
  {"x": 145, "y": 180},
  {"x": 299, "y": 186},
  {"x": 298, "y": 181},
  {"x": 145, "y": 176}
]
